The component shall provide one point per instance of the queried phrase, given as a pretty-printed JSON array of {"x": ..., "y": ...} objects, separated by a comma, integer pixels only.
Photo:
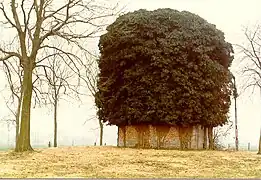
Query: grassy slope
[{"x": 116, "y": 162}]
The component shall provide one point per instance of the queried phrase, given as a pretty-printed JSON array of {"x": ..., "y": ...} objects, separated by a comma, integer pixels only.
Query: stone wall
[{"x": 167, "y": 137}]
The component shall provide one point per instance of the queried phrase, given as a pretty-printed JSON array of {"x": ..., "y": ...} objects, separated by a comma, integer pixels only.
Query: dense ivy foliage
[{"x": 164, "y": 67}]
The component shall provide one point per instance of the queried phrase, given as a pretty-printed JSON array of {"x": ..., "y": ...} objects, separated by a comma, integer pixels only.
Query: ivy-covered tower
[{"x": 164, "y": 79}]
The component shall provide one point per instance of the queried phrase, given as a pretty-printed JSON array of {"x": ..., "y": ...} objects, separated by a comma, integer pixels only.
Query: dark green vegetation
[{"x": 164, "y": 67}]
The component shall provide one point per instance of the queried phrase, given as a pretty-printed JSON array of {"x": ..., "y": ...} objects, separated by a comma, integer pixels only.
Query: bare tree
[
  {"x": 235, "y": 95},
  {"x": 33, "y": 26},
  {"x": 9, "y": 122},
  {"x": 251, "y": 59},
  {"x": 60, "y": 80},
  {"x": 13, "y": 74},
  {"x": 220, "y": 132},
  {"x": 90, "y": 78}
]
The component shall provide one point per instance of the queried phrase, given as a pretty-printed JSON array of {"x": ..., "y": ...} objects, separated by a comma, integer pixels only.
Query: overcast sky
[{"x": 228, "y": 15}]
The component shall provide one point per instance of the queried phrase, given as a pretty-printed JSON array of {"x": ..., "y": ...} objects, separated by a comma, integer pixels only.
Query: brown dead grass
[{"x": 114, "y": 162}]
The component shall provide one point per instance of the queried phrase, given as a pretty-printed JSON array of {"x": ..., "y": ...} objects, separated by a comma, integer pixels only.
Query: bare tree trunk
[
  {"x": 16, "y": 131},
  {"x": 259, "y": 147},
  {"x": 210, "y": 138},
  {"x": 101, "y": 132},
  {"x": 23, "y": 143},
  {"x": 55, "y": 121},
  {"x": 17, "y": 118}
]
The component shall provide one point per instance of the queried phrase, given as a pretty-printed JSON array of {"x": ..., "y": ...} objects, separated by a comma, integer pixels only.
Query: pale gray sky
[{"x": 229, "y": 16}]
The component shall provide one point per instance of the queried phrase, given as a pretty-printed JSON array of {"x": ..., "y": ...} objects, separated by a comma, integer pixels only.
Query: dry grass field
[{"x": 114, "y": 162}]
